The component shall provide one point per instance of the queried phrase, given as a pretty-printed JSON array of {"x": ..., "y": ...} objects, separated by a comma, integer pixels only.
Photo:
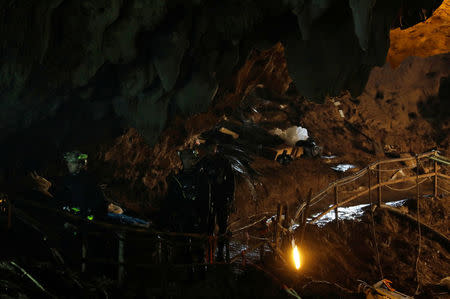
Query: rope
[
  {"x": 394, "y": 169},
  {"x": 318, "y": 197},
  {"x": 404, "y": 189},
  {"x": 249, "y": 225},
  {"x": 319, "y": 200},
  {"x": 321, "y": 195},
  {"x": 445, "y": 190},
  {"x": 251, "y": 217},
  {"x": 352, "y": 179},
  {"x": 419, "y": 229}
]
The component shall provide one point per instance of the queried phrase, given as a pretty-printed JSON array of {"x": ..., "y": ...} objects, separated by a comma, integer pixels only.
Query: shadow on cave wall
[{"x": 436, "y": 109}]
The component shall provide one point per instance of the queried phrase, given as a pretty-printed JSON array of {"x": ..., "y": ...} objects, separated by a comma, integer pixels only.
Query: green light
[
  {"x": 82, "y": 157},
  {"x": 76, "y": 210},
  {"x": 90, "y": 217}
]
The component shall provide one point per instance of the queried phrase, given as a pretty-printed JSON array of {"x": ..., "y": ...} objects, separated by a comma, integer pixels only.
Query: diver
[
  {"x": 186, "y": 209},
  {"x": 183, "y": 195},
  {"x": 219, "y": 188}
]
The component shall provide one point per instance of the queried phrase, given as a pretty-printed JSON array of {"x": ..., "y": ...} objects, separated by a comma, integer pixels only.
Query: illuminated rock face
[
  {"x": 428, "y": 38},
  {"x": 142, "y": 62}
]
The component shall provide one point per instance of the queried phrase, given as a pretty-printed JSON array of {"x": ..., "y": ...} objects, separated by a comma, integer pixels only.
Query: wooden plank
[
  {"x": 424, "y": 155},
  {"x": 379, "y": 184},
  {"x": 83, "y": 252},
  {"x": 435, "y": 180},
  {"x": 277, "y": 228},
  {"x": 336, "y": 202},
  {"x": 444, "y": 176},
  {"x": 109, "y": 226}
]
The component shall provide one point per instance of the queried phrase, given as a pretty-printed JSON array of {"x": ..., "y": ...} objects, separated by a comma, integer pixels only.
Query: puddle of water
[
  {"x": 397, "y": 203},
  {"x": 344, "y": 213},
  {"x": 343, "y": 167}
]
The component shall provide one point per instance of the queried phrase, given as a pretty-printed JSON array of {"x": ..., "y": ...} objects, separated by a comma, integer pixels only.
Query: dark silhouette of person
[
  {"x": 79, "y": 192},
  {"x": 218, "y": 187},
  {"x": 186, "y": 209}
]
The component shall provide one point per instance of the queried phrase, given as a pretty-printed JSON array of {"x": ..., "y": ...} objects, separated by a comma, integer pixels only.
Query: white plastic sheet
[{"x": 291, "y": 135}]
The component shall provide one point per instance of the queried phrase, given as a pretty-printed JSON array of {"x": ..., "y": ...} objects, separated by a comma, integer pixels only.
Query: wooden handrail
[
  {"x": 113, "y": 227},
  {"x": 362, "y": 172},
  {"x": 424, "y": 155},
  {"x": 371, "y": 188},
  {"x": 443, "y": 176}
]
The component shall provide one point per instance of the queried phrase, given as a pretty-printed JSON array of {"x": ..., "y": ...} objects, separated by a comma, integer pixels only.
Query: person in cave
[
  {"x": 183, "y": 195},
  {"x": 185, "y": 209},
  {"x": 201, "y": 195},
  {"x": 224, "y": 159},
  {"x": 79, "y": 192},
  {"x": 220, "y": 185}
]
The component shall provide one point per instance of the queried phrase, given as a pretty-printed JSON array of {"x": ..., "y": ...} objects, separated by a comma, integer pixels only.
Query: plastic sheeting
[{"x": 291, "y": 135}]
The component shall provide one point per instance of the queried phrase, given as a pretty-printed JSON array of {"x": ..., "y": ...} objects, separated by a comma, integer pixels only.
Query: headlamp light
[{"x": 82, "y": 157}]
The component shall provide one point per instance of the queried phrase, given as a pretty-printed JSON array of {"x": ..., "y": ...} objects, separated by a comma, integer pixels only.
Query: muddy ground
[{"x": 349, "y": 253}]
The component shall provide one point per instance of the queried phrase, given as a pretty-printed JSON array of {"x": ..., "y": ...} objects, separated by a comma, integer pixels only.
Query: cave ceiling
[{"x": 80, "y": 71}]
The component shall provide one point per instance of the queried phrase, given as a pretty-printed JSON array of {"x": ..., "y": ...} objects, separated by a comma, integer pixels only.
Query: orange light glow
[{"x": 296, "y": 256}]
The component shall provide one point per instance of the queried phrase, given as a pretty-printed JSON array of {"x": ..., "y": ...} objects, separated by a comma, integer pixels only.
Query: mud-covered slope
[
  {"x": 401, "y": 110},
  {"x": 349, "y": 254}
]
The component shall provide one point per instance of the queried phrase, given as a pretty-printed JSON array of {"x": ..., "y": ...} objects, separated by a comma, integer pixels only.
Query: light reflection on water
[
  {"x": 351, "y": 213},
  {"x": 343, "y": 167}
]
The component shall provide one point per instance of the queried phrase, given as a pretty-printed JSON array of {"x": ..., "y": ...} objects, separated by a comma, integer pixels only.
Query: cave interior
[{"x": 249, "y": 126}]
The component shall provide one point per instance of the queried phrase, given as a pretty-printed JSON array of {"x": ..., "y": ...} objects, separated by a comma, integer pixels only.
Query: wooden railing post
[
  {"x": 261, "y": 253},
  {"x": 83, "y": 250},
  {"x": 305, "y": 216},
  {"x": 286, "y": 215},
  {"x": 9, "y": 225},
  {"x": 336, "y": 201},
  {"x": 121, "y": 258},
  {"x": 417, "y": 181},
  {"x": 435, "y": 193},
  {"x": 379, "y": 184},
  {"x": 370, "y": 185},
  {"x": 277, "y": 228},
  {"x": 159, "y": 258}
]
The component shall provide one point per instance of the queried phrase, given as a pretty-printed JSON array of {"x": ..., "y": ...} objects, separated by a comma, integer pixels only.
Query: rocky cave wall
[
  {"x": 81, "y": 73},
  {"x": 144, "y": 61}
]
